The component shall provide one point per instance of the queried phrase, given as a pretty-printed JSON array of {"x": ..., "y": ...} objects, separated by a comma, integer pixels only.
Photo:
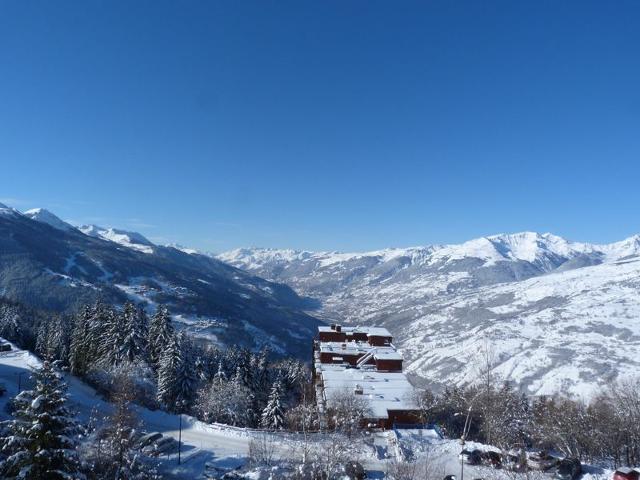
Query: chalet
[{"x": 364, "y": 361}]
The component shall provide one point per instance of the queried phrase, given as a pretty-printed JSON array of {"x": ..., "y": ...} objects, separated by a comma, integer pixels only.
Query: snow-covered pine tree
[
  {"x": 167, "y": 374},
  {"x": 41, "y": 443},
  {"x": 134, "y": 334},
  {"x": 273, "y": 414},
  {"x": 186, "y": 373},
  {"x": 161, "y": 333},
  {"x": 220, "y": 376},
  {"x": 42, "y": 339},
  {"x": 176, "y": 376},
  {"x": 109, "y": 333},
  {"x": 79, "y": 355}
]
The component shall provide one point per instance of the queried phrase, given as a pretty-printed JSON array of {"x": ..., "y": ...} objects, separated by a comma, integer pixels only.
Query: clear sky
[{"x": 345, "y": 125}]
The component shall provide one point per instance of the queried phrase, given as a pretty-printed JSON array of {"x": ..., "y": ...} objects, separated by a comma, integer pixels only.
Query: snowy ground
[
  {"x": 557, "y": 316},
  {"x": 228, "y": 447}
]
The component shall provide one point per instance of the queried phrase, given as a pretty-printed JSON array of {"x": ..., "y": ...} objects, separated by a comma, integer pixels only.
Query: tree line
[
  {"x": 605, "y": 429},
  {"x": 166, "y": 368}
]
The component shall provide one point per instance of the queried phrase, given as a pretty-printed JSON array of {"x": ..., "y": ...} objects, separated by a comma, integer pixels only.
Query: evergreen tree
[
  {"x": 79, "y": 356},
  {"x": 110, "y": 335},
  {"x": 186, "y": 374},
  {"x": 41, "y": 444},
  {"x": 220, "y": 376},
  {"x": 273, "y": 414},
  {"x": 161, "y": 333},
  {"x": 42, "y": 339},
  {"x": 167, "y": 374},
  {"x": 134, "y": 334},
  {"x": 176, "y": 377}
]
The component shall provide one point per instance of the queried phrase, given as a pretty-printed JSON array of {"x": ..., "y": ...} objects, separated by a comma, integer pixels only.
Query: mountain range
[
  {"x": 49, "y": 264},
  {"x": 548, "y": 314}
]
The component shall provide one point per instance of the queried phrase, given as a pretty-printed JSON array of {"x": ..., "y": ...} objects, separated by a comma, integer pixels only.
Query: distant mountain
[
  {"x": 556, "y": 315},
  {"x": 47, "y": 265},
  {"x": 133, "y": 240},
  {"x": 45, "y": 216}
]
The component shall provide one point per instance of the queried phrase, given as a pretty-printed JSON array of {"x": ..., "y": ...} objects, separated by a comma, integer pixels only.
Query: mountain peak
[
  {"x": 45, "y": 216},
  {"x": 6, "y": 210},
  {"x": 133, "y": 240}
]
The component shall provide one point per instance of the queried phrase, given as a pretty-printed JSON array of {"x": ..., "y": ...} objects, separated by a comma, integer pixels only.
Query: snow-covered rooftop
[
  {"x": 359, "y": 348},
  {"x": 370, "y": 331},
  {"x": 383, "y": 390}
]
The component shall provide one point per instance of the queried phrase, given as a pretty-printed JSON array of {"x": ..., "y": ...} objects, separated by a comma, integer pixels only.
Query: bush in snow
[
  {"x": 224, "y": 401},
  {"x": 347, "y": 412}
]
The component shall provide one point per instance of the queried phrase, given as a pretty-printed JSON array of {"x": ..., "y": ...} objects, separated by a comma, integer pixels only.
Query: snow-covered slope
[
  {"x": 558, "y": 315},
  {"x": 127, "y": 239},
  {"x": 61, "y": 270},
  {"x": 5, "y": 210},
  {"x": 45, "y": 216}
]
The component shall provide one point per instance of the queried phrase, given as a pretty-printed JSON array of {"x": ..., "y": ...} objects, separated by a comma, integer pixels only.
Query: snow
[
  {"x": 45, "y": 216},
  {"x": 190, "y": 251},
  {"x": 8, "y": 211},
  {"x": 68, "y": 280},
  {"x": 71, "y": 263},
  {"x": 384, "y": 391},
  {"x": 132, "y": 240},
  {"x": 227, "y": 447},
  {"x": 370, "y": 331},
  {"x": 572, "y": 327}
]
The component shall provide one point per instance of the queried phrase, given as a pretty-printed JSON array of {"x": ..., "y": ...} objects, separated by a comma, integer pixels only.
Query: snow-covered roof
[
  {"x": 370, "y": 331},
  {"x": 383, "y": 390},
  {"x": 359, "y": 348},
  {"x": 386, "y": 353}
]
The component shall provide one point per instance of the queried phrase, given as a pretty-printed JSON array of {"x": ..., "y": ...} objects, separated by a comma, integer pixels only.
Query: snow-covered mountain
[
  {"x": 61, "y": 269},
  {"x": 556, "y": 315},
  {"x": 133, "y": 240},
  {"x": 45, "y": 216}
]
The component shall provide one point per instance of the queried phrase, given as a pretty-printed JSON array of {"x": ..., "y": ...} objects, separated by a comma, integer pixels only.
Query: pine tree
[
  {"x": 79, "y": 356},
  {"x": 42, "y": 339},
  {"x": 176, "y": 376},
  {"x": 167, "y": 374},
  {"x": 273, "y": 414},
  {"x": 134, "y": 334},
  {"x": 186, "y": 373},
  {"x": 109, "y": 333},
  {"x": 220, "y": 376},
  {"x": 160, "y": 334},
  {"x": 41, "y": 444}
]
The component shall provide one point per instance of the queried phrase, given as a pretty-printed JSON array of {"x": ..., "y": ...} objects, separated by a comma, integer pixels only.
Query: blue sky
[{"x": 346, "y": 125}]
